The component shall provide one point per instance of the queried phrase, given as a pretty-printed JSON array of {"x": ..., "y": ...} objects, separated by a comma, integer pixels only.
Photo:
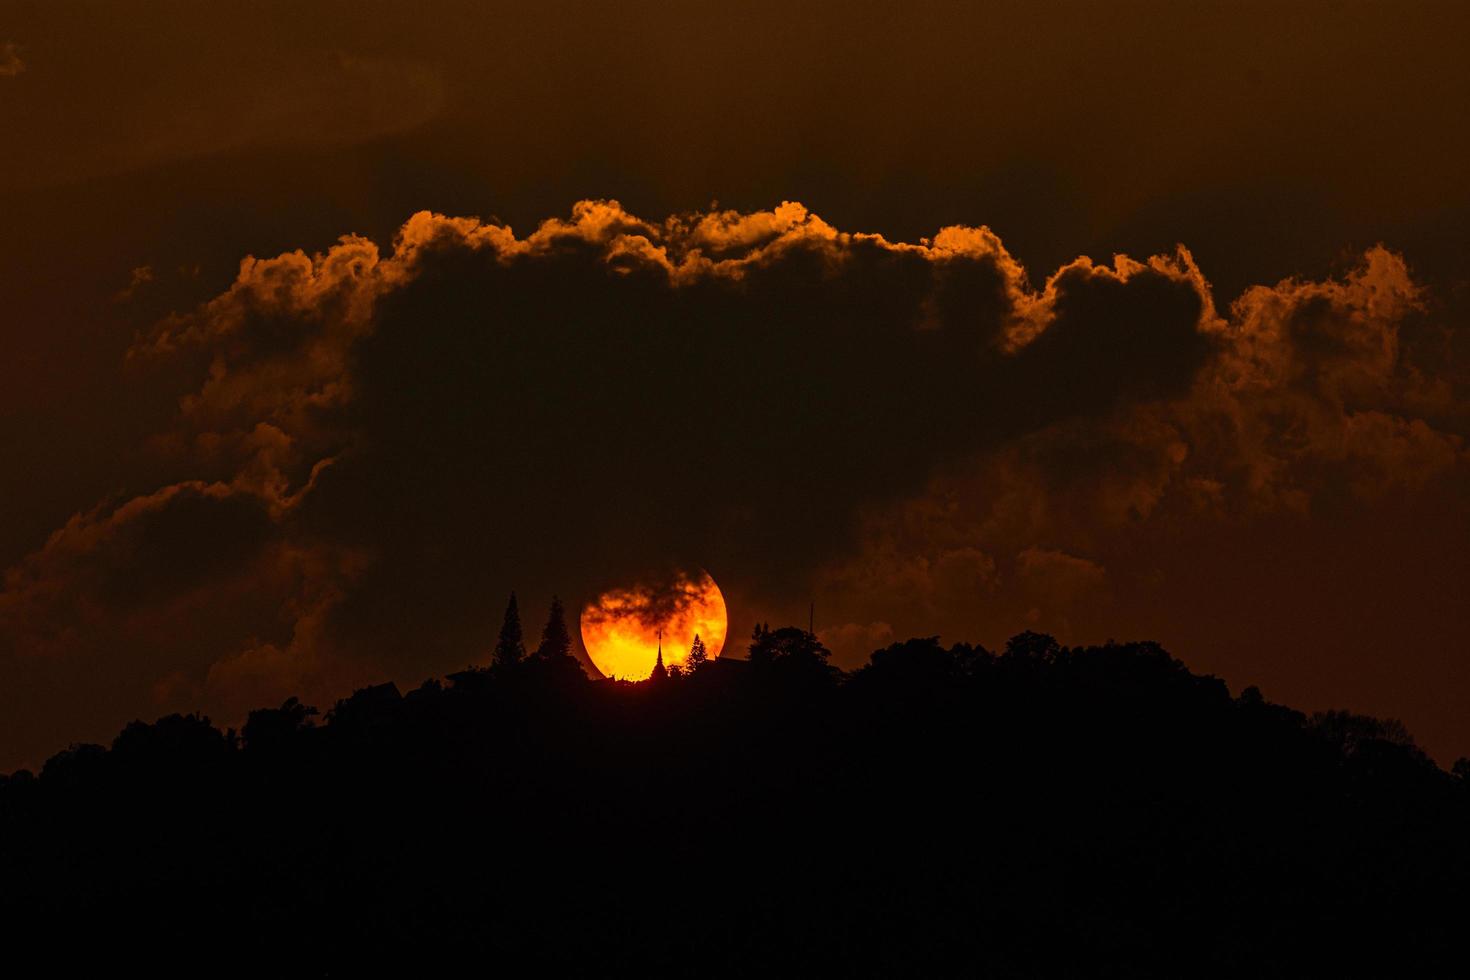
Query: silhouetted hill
[{"x": 1043, "y": 811}]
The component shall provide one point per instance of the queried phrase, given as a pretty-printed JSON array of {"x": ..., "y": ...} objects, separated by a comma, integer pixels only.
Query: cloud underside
[{"x": 383, "y": 444}]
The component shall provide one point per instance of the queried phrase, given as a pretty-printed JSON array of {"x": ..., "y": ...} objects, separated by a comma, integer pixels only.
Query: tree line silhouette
[{"x": 1040, "y": 810}]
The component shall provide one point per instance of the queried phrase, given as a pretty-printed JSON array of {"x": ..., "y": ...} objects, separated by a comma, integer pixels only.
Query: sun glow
[{"x": 620, "y": 629}]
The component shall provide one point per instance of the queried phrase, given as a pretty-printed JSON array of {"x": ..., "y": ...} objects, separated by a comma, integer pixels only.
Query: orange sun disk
[{"x": 620, "y": 629}]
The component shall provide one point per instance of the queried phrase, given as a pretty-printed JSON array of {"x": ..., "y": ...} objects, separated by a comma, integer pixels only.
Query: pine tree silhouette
[
  {"x": 509, "y": 649},
  {"x": 698, "y": 655},
  {"x": 556, "y": 642}
]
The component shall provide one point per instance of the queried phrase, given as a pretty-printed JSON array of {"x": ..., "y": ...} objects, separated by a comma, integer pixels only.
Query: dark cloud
[
  {"x": 656, "y": 600},
  {"x": 1316, "y": 409},
  {"x": 608, "y": 394},
  {"x": 914, "y": 430}
]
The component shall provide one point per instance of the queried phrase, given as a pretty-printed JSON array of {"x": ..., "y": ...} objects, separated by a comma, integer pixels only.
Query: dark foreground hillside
[{"x": 1043, "y": 812}]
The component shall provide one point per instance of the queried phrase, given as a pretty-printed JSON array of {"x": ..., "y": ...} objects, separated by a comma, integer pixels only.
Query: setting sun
[{"x": 621, "y": 628}]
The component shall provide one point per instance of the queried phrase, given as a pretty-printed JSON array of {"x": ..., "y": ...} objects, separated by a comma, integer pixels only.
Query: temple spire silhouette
[{"x": 659, "y": 672}]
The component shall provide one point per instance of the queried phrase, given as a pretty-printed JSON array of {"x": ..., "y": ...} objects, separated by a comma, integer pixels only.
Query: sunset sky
[{"x": 327, "y": 325}]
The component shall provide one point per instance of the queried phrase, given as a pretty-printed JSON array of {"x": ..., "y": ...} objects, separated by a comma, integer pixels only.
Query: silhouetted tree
[
  {"x": 759, "y": 642},
  {"x": 919, "y": 662},
  {"x": 268, "y": 728},
  {"x": 1038, "y": 647},
  {"x": 1350, "y": 732},
  {"x": 698, "y": 656},
  {"x": 74, "y": 763},
  {"x": 789, "y": 643},
  {"x": 173, "y": 740},
  {"x": 369, "y": 709},
  {"x": 792, "y": 657},
  {"x": 556, "y": 642},
  {"x": 510, "y": 649},
  {"x": 971, "y": 658}
]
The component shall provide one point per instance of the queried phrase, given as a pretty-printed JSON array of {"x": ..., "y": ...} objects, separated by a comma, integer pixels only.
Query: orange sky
[{"x": 218, "y": 492}]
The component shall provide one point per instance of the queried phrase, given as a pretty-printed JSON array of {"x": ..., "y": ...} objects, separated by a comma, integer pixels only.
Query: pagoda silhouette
[{"x": 659, "y": 672}]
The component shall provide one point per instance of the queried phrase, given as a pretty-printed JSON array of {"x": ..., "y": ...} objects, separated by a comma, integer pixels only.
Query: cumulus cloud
[
  {"x": 1314, "y": 382},
  {"x": 1314, "y": 398},
  {"x": 393, "y": 440}
]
